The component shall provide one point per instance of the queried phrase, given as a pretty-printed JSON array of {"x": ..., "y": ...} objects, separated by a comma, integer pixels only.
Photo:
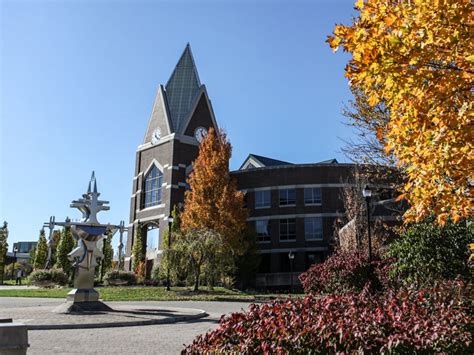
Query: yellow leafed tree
[
  {"x": 417, "y": 57},
  {"x": 213, "y": 202}
]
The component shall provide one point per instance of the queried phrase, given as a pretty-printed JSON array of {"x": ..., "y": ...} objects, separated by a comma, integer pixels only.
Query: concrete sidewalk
[
  {"x": 40, "y": 316},
  {"x": 15, "y": 287},
  {"x": 151, "y": 339}
]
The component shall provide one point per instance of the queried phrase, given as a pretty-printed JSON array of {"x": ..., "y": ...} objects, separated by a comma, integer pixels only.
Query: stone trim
[
  {"x": 287, "y": 250},
  {"x": 161, "y": 205},
  {"x": 300, "y": 215},
  {"x": 163, "y": 140}
]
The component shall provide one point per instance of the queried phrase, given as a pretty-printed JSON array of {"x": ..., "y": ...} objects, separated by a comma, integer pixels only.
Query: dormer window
[{"x": 152, "y": 187}]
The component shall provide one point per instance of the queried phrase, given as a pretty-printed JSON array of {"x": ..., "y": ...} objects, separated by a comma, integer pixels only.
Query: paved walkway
[
  {"x": 149, "y": 339},
  {"x": 14, "y": 287},
  {"x": 42, "y": 316}
]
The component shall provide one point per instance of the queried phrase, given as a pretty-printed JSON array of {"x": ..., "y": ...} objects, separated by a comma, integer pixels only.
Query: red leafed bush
[
  {"x": 423, "y": 322},
  {"x": 345, "y": 272}
]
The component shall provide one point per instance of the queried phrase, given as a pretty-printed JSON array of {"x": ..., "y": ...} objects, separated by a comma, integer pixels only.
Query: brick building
[{"x": 292, "y": 206}]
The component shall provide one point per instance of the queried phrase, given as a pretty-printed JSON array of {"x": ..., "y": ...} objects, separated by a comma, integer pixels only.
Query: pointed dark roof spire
[{"x": 182, "y": 88}]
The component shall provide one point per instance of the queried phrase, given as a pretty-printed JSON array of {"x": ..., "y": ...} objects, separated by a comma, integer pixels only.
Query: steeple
[
  {"x": 179, "y": 103},
  {"x": 182, "y": 88}
]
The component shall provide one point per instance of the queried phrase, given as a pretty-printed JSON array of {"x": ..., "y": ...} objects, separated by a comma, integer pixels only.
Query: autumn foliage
[
  {"x": 405, "y": 322},
  {"x": 213, "y": 202},
  {"x": 347, "y": 271},
  {"x": 416, "y": 57}
]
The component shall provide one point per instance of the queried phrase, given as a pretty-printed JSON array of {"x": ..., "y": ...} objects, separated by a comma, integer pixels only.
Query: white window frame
[
  {"x": 309, "y": 233},
  {"x": 287, "y": 192},
  {"x": 313, "y": 201},
  {"x": 263, "y": 205},
  {"x": 287, "y": 229},
  {"x": 260, "y": 237}
]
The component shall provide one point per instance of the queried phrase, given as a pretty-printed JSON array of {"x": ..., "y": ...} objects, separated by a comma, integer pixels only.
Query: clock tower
[{"x": 181, "y": 116}]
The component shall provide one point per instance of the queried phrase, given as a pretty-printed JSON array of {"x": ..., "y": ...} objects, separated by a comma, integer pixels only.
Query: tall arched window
[{"x": 152, "y": 188}]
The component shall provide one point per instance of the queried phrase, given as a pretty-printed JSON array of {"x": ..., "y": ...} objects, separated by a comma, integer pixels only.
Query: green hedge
[
  {"x": 48, "y": 278},
  {"x": 120, "y": 278}
]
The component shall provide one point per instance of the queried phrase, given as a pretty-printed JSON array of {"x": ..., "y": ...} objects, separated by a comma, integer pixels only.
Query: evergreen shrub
[
  {"x": 48, "y": 278},
  {"x": 120, "y": 278},
  {"x": 426, "y": 253}
]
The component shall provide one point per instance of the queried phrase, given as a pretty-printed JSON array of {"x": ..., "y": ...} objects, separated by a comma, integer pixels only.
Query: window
[
  {"x": 263, "y": 230},
  {"x": 287, "y": 229},
  {"x": 287, "y": 197},
  {"x": 313, "y": 228},
  {"x": 153, "y": 190},
  {"x": 312, "y": 195},
  {"x": 262, "y": 199}
]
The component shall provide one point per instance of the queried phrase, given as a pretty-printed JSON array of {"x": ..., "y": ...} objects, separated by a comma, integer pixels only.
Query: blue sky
[{"x": 78, "y": 80}]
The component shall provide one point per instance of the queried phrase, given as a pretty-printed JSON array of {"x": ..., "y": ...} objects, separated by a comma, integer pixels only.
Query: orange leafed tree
[
  {"x": 417, "y": 57},
  {"x": 213, "y": 202}
]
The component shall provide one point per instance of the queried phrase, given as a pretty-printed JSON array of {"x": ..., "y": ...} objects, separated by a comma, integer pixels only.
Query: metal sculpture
[{"x": 88, "y": 233}]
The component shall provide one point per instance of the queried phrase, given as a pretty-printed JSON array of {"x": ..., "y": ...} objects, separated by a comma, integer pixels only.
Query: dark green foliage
[
  {"x": 427, "y": 253},
  {"x": 54, "y": 246},
  {"x": 48, "y": 278},
  {"x": 138, "y": 254},
  {"x": 3, "y": 249},
  {"x": 120, "y": 278},
  {"x": 179, "y": 264},
  {"x": 108, "y": 252},
  {"x": 66, "y": 244},
  {"x": 246, "y": 265},
  {"x": 41, "y": 253}
]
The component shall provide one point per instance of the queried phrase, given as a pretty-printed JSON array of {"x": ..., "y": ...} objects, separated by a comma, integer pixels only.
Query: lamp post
[
  {"x": 15, "y": 250},
  {"x": 291, "y": 256},
  {"x": 170, "y": 222},
  {"x": 367, "y": 193}
]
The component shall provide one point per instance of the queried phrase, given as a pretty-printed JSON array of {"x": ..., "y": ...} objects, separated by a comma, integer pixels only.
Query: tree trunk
[{"x": 196, "y": 279}]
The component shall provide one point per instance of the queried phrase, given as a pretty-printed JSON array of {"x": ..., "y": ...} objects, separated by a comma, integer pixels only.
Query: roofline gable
[
  {"x": 160, "y": 94},
  {"x": 251, "y": 160},
  {"x": 202, "y": 91}
]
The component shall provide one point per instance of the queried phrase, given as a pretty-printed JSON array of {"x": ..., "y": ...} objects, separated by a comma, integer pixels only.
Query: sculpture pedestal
[
  {"x": 79, "y": 295},
  {"x": 82, "y": 300}
]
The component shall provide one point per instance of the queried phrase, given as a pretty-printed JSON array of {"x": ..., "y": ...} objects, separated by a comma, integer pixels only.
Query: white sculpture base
[
  {"x": 83, "y": 295},
  {"x": 82, "y": 300}
]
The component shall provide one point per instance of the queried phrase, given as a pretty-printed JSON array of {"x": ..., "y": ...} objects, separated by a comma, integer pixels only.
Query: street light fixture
[
  {"x": 291, "y": 256},
  {"x": 367, "y": 193},
  {"x": 170, "y": 222}
]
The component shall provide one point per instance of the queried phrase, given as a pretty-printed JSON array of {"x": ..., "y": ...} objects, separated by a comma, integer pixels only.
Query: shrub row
[
  {"x": 48, "y": 278},
  {"x": 347, "y": 272},
  {"x": 120, "y": 278},
  {"x": 425, "y": 321}
]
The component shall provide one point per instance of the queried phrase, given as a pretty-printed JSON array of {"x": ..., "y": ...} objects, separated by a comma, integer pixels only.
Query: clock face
[
  {"x": 156, "y": 136},
  {"x": 200, "y": 133}
]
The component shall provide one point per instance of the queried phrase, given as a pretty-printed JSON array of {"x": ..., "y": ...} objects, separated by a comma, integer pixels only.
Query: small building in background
[{"x": 22, "y": 254}]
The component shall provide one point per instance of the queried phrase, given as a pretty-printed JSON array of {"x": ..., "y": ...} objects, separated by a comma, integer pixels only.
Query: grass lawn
[{"x": 149, "y": 294}]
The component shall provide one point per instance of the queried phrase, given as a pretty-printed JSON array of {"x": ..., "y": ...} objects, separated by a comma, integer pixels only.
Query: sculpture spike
[{"x": 95, "y": 186}]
